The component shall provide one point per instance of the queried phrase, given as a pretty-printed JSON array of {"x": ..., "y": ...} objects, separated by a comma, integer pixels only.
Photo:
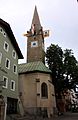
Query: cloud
[{"x": 60, "y": 16}]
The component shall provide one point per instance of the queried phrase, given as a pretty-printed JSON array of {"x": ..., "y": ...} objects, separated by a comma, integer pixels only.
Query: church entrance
[{"x": 11, "y": 105}]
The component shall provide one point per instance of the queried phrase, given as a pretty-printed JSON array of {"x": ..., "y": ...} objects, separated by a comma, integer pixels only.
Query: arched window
[{"x": 44, "y": 90}]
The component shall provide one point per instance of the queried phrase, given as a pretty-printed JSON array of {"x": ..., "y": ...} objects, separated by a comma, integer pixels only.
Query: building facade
[
  {"x": 35, "y": 81},
  {"x": 36, "y": 89},
  {"x": 9, "y": 55}
]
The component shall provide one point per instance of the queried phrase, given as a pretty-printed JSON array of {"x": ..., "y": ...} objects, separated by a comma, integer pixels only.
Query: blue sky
[{"x": 59, "y": 16}]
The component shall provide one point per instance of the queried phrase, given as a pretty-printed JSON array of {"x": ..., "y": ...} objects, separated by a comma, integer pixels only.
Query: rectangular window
[
  {"x": 5, "y": 79},
  {"x": 7, "y": 63},
  {"x": 14, "y": 54},
  {"x": 12, "y": 85},
  {"x": 0, "y": 57},
  {"x": 6, "y": 46},
  {"x": 15, "y": 68}
]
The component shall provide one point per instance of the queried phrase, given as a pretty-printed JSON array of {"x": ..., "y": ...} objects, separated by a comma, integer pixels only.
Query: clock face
[{"x": 34, "y": 44}]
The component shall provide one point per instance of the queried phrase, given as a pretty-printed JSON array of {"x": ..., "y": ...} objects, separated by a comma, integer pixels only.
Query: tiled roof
[{"x": 33, "y": 67}]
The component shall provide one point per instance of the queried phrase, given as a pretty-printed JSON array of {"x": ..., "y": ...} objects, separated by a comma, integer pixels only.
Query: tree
[
  {"x": 64, "y": 67},
  {"x": 69, "y": 67},
  {"x": 54, "y": 56}
]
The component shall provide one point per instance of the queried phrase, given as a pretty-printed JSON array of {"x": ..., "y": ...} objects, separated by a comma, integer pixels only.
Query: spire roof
[{"x": 36, "y": 20}]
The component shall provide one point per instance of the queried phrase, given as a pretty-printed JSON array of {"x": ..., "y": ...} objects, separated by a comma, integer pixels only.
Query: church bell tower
[{"x": 35, "y": 40}]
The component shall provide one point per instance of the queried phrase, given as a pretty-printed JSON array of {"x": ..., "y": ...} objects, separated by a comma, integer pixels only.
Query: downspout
[{"x": 5, "y": 110}]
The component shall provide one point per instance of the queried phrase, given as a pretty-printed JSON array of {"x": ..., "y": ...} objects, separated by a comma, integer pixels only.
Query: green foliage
[
  {"x": 63, "y": 65},
  {"x": 54, "y": 56},
  {"x": 70, "y": 67}
]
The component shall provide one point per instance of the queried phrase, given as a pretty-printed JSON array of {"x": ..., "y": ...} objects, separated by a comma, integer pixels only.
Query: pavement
[{"x": 66, "y": 116}]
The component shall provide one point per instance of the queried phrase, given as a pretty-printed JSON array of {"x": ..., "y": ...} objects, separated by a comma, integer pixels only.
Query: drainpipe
[{"x": 5, "y": 109}]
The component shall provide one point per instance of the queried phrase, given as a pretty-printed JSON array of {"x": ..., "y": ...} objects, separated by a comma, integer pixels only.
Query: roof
[
  {"x": 8, "y": 30},
  {"x": 33, "y": 67},
  {"x": 36, "y": 20}
]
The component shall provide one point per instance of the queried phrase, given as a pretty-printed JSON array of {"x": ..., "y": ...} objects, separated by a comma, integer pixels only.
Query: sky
[{"x": 58, "y": 16}]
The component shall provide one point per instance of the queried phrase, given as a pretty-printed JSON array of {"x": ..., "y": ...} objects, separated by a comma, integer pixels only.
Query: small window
[
  {"x": 0, "y": 57},
  {"x": 14, "y": 54},
  {"x": 7, "y": 63},
  {"x": 5, "y": 79},
  {"x": 44, "y": 90},
  {"x": 6, "y": 46},
  {"x": 12, "y": 85},
  {"x": 4, "y": 34},
  {"x": 15, "y": 69}
]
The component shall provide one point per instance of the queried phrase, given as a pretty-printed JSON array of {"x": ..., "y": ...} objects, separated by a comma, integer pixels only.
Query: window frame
[
  {"x": 6, "y": 49},
  {"x": 13, "y": 54},
  {"x": 13, "y": 89},
  {"x": 8, "y": 63},
  {"x": 4, "y": 34},
  {"x": 15, "y": 69},
  {"x": 5, "y": 86},
  {"x": 44, "y": 90}
]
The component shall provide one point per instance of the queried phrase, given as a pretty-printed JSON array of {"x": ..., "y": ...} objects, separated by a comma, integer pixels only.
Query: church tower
[
  {"x": 35, "y": 80},
  {"x": 35, "y": 40}
]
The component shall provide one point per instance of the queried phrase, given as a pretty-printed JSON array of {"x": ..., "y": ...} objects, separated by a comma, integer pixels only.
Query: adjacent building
[{"x": 9, "y": 55}]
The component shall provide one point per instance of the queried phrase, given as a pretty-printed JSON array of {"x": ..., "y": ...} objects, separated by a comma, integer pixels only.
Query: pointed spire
[{"x": 35, "y": 20}]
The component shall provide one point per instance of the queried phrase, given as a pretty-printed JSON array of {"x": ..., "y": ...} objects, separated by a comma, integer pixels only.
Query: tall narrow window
[
  {"x": 12, "y": 85},
  {"x": 7, "y": 63},
  {"x": 0, "y": 57},
  {"x": 15, "y": 68},
  {"x": 14, "y": 54},
  {"x": 5, "y": 79},
  {"x": 44, "y": 90}
]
